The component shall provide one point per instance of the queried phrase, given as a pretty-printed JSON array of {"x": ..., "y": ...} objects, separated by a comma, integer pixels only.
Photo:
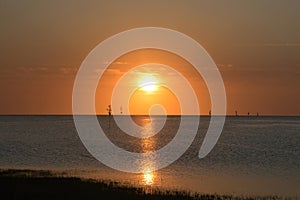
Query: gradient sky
[{"x": 255, "y": 44}]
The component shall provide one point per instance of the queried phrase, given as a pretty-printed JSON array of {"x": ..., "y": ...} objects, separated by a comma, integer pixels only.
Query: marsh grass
[{"x": 42, "y": 184}]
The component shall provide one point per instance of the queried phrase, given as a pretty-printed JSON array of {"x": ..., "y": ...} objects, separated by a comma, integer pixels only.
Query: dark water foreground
[{"x": 42, "y": 184}]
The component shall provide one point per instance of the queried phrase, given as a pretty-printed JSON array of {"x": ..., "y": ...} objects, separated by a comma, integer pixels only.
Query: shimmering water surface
[{"x": 254, "y": 155}]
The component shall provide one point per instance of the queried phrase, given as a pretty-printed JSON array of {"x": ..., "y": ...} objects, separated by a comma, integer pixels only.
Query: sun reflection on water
[{"x": 148, "y": 177}]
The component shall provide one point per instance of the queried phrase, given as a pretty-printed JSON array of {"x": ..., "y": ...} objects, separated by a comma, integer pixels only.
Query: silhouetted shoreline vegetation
[{"x": 43, "y": 184}]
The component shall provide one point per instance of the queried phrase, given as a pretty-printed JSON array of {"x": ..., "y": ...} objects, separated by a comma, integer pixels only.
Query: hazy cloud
[
  {"x": 46, "y": 70},
  {"x": 117, "y": 63},
  {"x": 270, "y": 45},
  {"x": 33, "y": 69},
  {"x": 226, "y": 66},
  {"x": 67, "y": 70}
]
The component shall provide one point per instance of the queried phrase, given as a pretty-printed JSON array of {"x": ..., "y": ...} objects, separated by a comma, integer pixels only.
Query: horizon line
[{"x": 171, "y": 115}]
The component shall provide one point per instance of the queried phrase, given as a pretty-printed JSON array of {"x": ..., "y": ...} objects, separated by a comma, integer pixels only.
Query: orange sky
[
  {"x": 255, "y": 48},
  {"x": 141, "y": 101}
]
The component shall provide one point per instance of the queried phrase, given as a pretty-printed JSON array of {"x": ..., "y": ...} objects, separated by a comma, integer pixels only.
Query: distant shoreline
[
  {"x": 103, "y": 115},
  {"x": 43, "y": 184}
]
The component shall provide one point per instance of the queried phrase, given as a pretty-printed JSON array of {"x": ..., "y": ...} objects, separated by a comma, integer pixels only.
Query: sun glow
[{"x": 148, "y": 83}]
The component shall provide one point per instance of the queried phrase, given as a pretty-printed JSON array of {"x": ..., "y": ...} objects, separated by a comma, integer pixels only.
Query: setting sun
[
  {"x": 149, "y": 87},
  {"x": 148, "y": 83}
]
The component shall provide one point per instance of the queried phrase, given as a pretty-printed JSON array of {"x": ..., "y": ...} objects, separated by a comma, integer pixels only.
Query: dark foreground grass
[{"x": 29, "y": 184}]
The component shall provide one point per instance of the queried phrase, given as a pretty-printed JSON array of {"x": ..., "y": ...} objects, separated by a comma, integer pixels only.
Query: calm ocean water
[{"x": 254, "y": 155}]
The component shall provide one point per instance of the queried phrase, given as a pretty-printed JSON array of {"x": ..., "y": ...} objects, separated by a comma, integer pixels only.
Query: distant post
[
  {"x": 236, "y": 114},
  {"x": 109, "y": 114},
  {"x": 109, "y": 110}
]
